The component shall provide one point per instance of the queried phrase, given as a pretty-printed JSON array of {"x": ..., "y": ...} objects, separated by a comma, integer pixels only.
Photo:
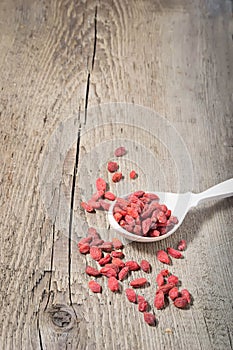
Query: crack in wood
[
  {"x": 51, "y": 268},
  {"x": 39, "y": 334}
]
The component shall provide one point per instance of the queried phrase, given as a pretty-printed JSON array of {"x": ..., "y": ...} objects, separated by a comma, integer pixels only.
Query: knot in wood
[{"x": 62, "y": 317}]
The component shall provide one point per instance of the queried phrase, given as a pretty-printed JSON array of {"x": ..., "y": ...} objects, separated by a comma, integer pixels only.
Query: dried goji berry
[
  {"x": 96, "y": 253},
  {"x": 145, "y": 266},
  {"x": 104, "y": 205},
  {"x": 84, "y": 248},
  {"x": 164, "y": 272},
  {"x": 120, "y": 151},
  {"x": 173, "y": 293},
  {"x": 96, "y": 242},
  {"x": 123, "y": 273},
  {"x": 100, "y": 184},
  {"x": 112, "y": 166},
  {"x": 182, "y": 245},
  {"x": 163, "y": 257},
  {"x": 106, "y": 247},
  {"x": 159, "y": 301},
  {"x": 110, "y": 196},
  {"x": 93, "y": 233},
  {"x": 138, "y": 282},
  {"x": 118, "y": 262},
  {"x": 113, "y": 284},
  {"x": 97, "y": 195},
  {"x": 113, "y": 266},
  {"x": 133, "y": 174},
  {"x": 93, "y": 204},
  {"x": 160, "y": 279},
  {"x": 91, "y": 271},
  {"x": 117, "y": 177},
  {"x": 117, "y": 216},
  {"x": 105, "y": 260},
  {"x": 166, "y": 287},
  {"x": 119, "y": 255},
  {"x": 84, "y": 240},
  {"x": 142, "y": 305},
  {"x": 185, "y": 294},
  {"x": 94, "y": 287},
  {"x": 87, "y": 207},
  {"x": 131, "y": 295},
  {"x": 139, "y": 193},
  {"x": 146, "y": 224},
  {"x": 173, "y": 279},
  {"x": 149, "y": 318},
  {"x": 133, "y": 265},
  {"x": 108, "y": 271},
  {"x": 117, "y": 244},
  {"x": 174, "y": 253},
  {"x": 181, "y": 302}
]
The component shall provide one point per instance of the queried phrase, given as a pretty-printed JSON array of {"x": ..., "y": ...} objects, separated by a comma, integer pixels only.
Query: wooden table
[{"x": 61, "y": 61}]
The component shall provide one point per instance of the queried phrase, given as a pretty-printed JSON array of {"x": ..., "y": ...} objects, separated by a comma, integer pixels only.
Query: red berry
[{"x": 95, "y": 287}]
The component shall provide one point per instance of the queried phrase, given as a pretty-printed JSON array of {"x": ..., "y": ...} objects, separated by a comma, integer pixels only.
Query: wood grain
[{"x": 58, "y": 59}]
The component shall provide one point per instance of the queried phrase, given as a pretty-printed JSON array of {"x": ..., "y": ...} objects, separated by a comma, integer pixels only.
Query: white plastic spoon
[{"x": 179, "y": 204}]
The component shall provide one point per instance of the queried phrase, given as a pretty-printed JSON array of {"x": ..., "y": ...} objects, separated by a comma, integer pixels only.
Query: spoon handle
[{"x": 222, "y": 190}]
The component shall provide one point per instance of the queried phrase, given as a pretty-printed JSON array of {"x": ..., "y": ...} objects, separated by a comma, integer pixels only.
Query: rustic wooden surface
[{"x": 58, "y": 58}]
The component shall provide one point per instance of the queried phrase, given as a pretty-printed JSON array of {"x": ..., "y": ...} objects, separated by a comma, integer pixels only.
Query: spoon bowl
[{"x": 179, "y": 204}]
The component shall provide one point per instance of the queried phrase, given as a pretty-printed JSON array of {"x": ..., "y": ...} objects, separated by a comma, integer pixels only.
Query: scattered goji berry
[
  {"x": 110, "y": 196},
  {"x": 142, "y": 305},
  {"x": 106, "y": 247},
  {"x": 97, "y": 195},
  {"x": 118, "y": 262},
  {"x": 120, "y": 151},
  {"x": 112, "y": 167},
  {"x": 92, "y": 232},
  {"x": 105, "y": 260},
  {"x": 174, "y": 253},
  {"x": 113, "y": 284},
  {"x": 160, "y": 279},
  {"x": 166, "y": 287},
  {"x": 173, "y": 293},
  {"x": 123, "y": 273},
  {"x": 117, "y": 244},
  {"x": 159, "y": 301},
  {"x": 108, "y": 271},
  {"x": 119, "y": 255},
  {"x": 91, "y": 271},
  {"x": 131, "y": 295},
  {"x": 84, "y": 240},
  {"x": 104, "y": 205},
  {"x": 149, "y": 318},
  {"x": 87, "y": 207},
  {"x": 117, "y": 177},
  {"x": 145, "y": 266},
  {"x": 100, "y": 184},
  {"x": 173, "y": 279},
  {"x": 84, "y": 248},
  {"x": 182, "y": 245},
  {"x": 138, "y": 282},
  {"x": 95, "y": 287},
  {"x": 133, "y": 174},
  {"x": 163, "y": 257},
  {"x": 93, "y": 204},
  {"x": 164, "y": 272},
  {"x": 133, "y": 265},
  {"x": 181, "y": 302},
  {"x": 185, "y": 294},
  {"x": 96, "y": 242},
  {"x": 96, "y": 253},
  {"x": 113, "y": 266}
]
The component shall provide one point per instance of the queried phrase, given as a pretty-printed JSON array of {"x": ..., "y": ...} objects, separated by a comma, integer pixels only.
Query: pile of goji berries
[{"x": 141, "y": 214}]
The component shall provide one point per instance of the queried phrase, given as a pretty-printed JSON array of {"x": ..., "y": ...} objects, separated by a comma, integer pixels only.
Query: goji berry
[
  {"x": 100, "y": 184},
  {"x": 108, "y": 271},
  {"x": 166, "y": 287},
  {"x": 120, "y": 151},
  {"x": 87, "y": 207},
  {"x": 96, "y": 253},
  {"x": 96, "y": 242},
  {"x": 131, "y": 295},
  {"x": 110, "y": 196},
  {"x": 174, "y": 253},
  {"x": 84, "y": 248},
  {"x": 94, "y": 287},
  {"x": 143, "y": 306},
  {"x": 118, "y": 262},
  {"x": 104, "y": 205},
  {"x": 117, "y": 177},
  {"x": 138, "y": 282},
  {"x": 105, "y": 260},
  {"x": 117, "y": 216},
  {"x": 133, "y": 265},
  {"x": 119, "y": 255},
  {"x": 146, "y": 224},
  {"x": 149, "y": 318},
  {"x": 97, "y": 195},
  {"x": 84, "y": 240},
  {"x": 112, "y": 167},
  {"x": 173, "y": 279},
  {"x": 159, "y": 301},
  {"x": 93, "y": 204},
  {"x": 123, "y": 273},
  {"x": 139, "y": 193},
  {"x": 113, "y": 266},
  {"x": 164, "y": 272},
  {"x": 163, "y": 257},
  {"x": 106, "y": 247},
  {"x": 93, "y": 233},
  {"x": 113, "y": 284},
  {"x": 173, "y": 293},
  {"x": 182, "y": 245},
  {"x": 145, "y": 266},
  {"x": 185, "y": 294},
  {"x": 117, "y": 244},
  {"x": 133, "y": 174},
  {"x": 160, "y": 279},
  {"x": 181, "y": 302},
  {"x": 91, "y": 271}
]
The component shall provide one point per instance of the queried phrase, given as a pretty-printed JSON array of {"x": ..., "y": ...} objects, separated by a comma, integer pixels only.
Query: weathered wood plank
[{"x": 59, "y": 58}]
